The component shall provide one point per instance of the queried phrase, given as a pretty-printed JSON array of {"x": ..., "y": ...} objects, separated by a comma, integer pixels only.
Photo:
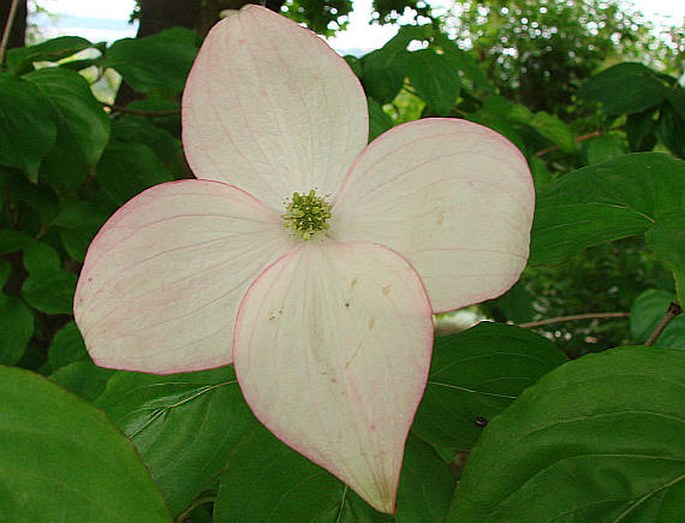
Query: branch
[
  {"x": 8, "y": 29},
  {"x": 575, "y": 317},
  {"x": 140, "y": 112},
  {"x": 578, "y": 139},
  {"x": 674, "y": 309}
]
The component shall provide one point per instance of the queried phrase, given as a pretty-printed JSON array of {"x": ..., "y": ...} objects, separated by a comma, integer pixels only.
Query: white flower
[{"x": 308, "y": 259}]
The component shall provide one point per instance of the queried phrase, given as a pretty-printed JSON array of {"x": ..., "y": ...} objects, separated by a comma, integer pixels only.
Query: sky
[{"x": 106, "y": 20}]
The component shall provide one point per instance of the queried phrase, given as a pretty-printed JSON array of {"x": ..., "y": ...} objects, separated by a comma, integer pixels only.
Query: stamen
[{"x": 307, "y": 214}]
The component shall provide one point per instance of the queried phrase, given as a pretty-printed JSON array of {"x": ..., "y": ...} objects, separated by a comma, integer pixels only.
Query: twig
[
  {"x": 8, "y": 29},
  {"x": 674, "y": 309},
  {"x": 140, "y": 112},
  {"x": 575, "y": 317},
  {"x": 578, "y": 139}
]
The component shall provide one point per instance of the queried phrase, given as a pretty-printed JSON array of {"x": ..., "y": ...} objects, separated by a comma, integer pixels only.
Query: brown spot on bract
[
  {"x": 275, "y": 315},
  {"x": 371, "y": 323},
  {"x": 347, "y": 304},
  {"x": 386, "y": 289},
  {"x": 353, "y": 282}
]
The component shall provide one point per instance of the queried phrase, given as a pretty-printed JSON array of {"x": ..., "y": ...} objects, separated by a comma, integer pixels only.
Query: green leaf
[
  {"x": 379, "y": 121},
  {"x": 160, "y": 61},
  {"x": 21, "y": 59},
  {"x": 676, "y": 98},
  {"x": 624, "y": 89},
  {"x": 137, "y": 129},
  {"x": 80, "y": 119},
  {"x": 462, "y": 61},
  {"x": 16, "y": 326},
  {"x": 598, "y": 439},
  {"x": 354, "y": 63},
  {"x": 554, "y": 130},
  {"x": 667, "y": 239},
  {"x": 5, "y": 272},
  {"x": 383, "y": 74},
  {"x": 40, "y": 257},
  {"x": 435, "y": 81},
  {"x": 605, "y": 202},
  {"x": 50, "y": 292},
  {"x": 671, "y": 130},
  {"x": 603, "y": 148},
  {"x": 67, "y": 347},
  {"x": 474, "y": 376},
  {"x": 83, "y": 378},
  {"x": 267, "y": 481},
  {"x": 184, "y": 425},
  {"x": 640, "y": 130},
  {"x": 27, "y": 129},
  {"x": 383, "y": 70},
  {"x": 61, "y": 458},
  {"x": 48, "y": 287},
  {"x": 78, "y": 223},
  {"x": 13, "y": 241},
  {"x": 127, "y": 169},
  {"x": 648, "y": 309}
]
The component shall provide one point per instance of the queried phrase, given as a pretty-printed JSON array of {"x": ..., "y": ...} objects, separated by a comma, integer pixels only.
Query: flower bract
[{"x": 310, "y": 260}]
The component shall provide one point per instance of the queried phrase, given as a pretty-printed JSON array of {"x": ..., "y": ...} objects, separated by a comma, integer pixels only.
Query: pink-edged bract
[{"x": 327, "y": 318}]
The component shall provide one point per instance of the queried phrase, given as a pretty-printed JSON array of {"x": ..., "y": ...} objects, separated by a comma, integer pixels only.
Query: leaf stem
[
  {"x": 8, "y": 29},
  {"x": 578, "y": 139},
  {"x": 139, "y": 112},
  {"x": 674, "y": 309},
  {"x": 575, "y": 317},
  {"x": 196, "y": 503}
]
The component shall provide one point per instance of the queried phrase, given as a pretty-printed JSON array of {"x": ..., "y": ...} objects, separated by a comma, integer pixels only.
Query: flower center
[{"x": 307, "y": 214}]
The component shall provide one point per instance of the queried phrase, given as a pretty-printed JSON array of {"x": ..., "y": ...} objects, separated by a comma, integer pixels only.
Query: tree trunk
[
  {"x": 201, "y": 15},
  {"x": 157, "y": 15},
  {"x": 18, "y": 34}
]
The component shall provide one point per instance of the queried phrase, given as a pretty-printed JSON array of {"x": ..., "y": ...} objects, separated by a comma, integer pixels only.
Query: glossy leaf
[
  {"x": 81, "y": 121},
  {"x": 83, "y": 378},
  {"x": 183, "y": 425},
  {"x": 12, "y": 241},
  {"x": 474, "y": 376},
  {"x": 127, "y": 169},
  {"x": 267, "y": 481},
  {"x": 77, "y": 225},
  {"x": 20, "y": 60},
  {"x": 16, "y": 326},
  {"x": 598, "y": 439},
  {"x": 648, "y": 309},
  {"x": 383, "y": 69},
  {"x": 605, "y": 202},
  {"x": 667, "y": 239},
  {"x": 48, "y": 287},
  {"x": 60, "y": 457},
  {"x": 379, "y": 122},
  {"x": 160, "y": 61},
  {"x": 435, "y": 81},
  {"x": 27, "y": 129},
  {"x": 555, "y": 130},
  {"x": 67, "y": 347},
  {"x": 624, "y": 89},
  {"x": 603, "y": 148}
]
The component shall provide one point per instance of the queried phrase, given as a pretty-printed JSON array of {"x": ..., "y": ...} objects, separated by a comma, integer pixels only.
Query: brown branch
[
  {"x": 575, "y": 317},
  {"x": 140, "y": 112},
  {"x": 674, "y": 309},
  {"x": 8, "y": 29},
  {"x": 578, "y": 139}
]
